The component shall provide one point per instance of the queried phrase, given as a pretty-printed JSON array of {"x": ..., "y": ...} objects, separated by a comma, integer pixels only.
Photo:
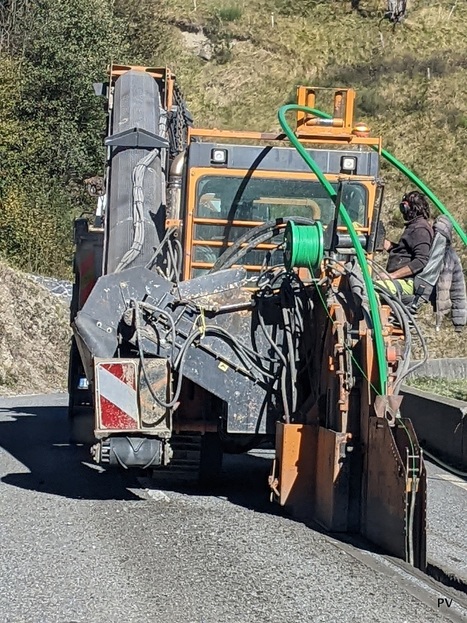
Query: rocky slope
[{"x": 34, "y": 336}]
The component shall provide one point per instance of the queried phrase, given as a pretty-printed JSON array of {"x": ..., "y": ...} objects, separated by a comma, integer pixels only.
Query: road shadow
[
  {"x": 243, "y": 481},
  {"x": 38, "y": 437},
  {"x": 246, "y": 478}
]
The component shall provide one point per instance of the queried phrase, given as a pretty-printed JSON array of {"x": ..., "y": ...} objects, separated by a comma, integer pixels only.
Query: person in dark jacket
[
  {"x": 409, "y": 256},
  {"x": 450, "y": 293}
]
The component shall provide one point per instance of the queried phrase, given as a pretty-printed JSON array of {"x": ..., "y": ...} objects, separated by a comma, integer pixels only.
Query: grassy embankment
[
  {"x": 411, "y": 84},
  {"x": 451, "y": 389}
]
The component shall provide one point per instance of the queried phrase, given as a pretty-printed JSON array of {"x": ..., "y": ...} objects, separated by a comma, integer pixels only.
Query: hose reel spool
[{"x": 304, "y": 246}]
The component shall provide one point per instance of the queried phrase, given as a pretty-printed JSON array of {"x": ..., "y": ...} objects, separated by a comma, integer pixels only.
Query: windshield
[{"x": 260, "y": 199}]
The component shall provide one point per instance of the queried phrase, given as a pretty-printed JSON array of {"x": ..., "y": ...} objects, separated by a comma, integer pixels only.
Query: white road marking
[
  {"x": 94, "y": 466},
  {"x": 455, "y": 480}
]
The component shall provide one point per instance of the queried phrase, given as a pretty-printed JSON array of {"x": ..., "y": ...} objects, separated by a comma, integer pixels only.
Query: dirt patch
[
  {"x": 34, "y": 336},
  {"x": 198, "y": 43}
]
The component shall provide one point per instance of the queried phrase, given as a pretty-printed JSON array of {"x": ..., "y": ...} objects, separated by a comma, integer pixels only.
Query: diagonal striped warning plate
[{"x": 116, "y": 394}]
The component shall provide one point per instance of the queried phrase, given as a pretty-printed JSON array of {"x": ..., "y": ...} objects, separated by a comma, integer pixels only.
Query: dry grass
[
  {"x": 34, "y": 336},
  {"x": 411, "y": 80},
  {"x": 446, "y": 342}
]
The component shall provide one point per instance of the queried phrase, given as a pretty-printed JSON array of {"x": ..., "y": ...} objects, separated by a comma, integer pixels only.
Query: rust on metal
[
  {"x": 331, "y": 503},
  {"x": 154, "y": 416},
  {"x": 293, "y": 480}
]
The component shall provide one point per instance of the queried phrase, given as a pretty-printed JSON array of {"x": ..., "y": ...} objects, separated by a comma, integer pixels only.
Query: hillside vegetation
[
  {"x": 451, "y": 389},
  {"x": 237, "y": 62},
  {"x": 410, "y": 79}
]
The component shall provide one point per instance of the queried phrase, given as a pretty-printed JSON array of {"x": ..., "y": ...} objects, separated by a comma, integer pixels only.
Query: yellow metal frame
[
  {"x": 196, "y": 173},
  {"x": 320, "y": 136},
  {"x": 310, "y": 129},
  {"x": 343, "y": 112}
]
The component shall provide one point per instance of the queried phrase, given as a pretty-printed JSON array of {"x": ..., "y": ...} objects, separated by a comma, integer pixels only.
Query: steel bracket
[{"x": 136, "y": 138}]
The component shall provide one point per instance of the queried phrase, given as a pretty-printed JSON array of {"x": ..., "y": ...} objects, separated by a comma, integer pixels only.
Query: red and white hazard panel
[{"x": 116, "y": 394}]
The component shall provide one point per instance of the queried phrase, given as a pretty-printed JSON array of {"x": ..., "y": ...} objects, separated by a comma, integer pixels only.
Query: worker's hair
[{"x": 417, "y": 205}]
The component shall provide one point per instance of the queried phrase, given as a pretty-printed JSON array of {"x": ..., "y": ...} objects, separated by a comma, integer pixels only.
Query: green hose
[
  {"x": 411, "y": 176},
  {"x": 372, "y": 299}
]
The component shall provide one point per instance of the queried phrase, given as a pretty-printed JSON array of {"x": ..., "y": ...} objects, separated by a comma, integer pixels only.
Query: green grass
[
  {"x": 450, "y": 389},
  {"x": 229, "y": 13}
]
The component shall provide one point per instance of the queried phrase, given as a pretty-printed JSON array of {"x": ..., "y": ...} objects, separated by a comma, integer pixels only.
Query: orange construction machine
[{"x": 223, "y": 302}]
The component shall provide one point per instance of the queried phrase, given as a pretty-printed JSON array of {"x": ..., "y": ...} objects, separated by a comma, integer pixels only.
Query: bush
[
  {"x": 51, "y": 125},
  {"x": 68, "y": 48},
  {"x": 370, "y": 102},
  {"x": 36, "y": 231},
  {"x": 220, "y": 38},
  {"x": 230, "y": 13},
  {"x": 455, "y": 118},
  {"x": 298, "y": 7},
  {"x": 443, "y": 387}
]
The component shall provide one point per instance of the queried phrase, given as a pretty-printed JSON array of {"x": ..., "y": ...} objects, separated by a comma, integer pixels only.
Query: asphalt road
[
  {"x": 78, "y": 545},
  {"x": 447, "y": 522}
]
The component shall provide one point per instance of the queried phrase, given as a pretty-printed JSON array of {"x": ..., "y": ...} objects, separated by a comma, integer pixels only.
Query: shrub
[
  {"x": 220, "y": 38},
  {"x": 230, "y": 13},
  {"x": 36, "y": 231},
  {"x": 370, "y": 102},
  {"x": 297, "y": 7}
]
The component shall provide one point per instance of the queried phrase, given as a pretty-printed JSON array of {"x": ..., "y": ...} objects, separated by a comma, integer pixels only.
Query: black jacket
[{"x": 413, "y": 249}]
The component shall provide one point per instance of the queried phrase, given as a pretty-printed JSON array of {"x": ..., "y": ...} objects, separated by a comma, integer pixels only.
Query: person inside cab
[
  {"x": 354, "y": 201},
  {"x": 410, "y": 254}
]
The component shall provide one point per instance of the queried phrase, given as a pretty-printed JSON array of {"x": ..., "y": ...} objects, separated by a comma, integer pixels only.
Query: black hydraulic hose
[
  {"x": 283, "y": 360},
  {"x": 176, "y": 395},
  {"x": 264, "y": 231},
  {"x": 238, "y": 347}
]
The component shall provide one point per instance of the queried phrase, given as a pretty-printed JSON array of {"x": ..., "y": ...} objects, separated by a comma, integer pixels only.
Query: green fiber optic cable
[
  {"x": 304, "y": 246},
  {"x": 372, "y": 300},
  {"x": 410, "y": 175}
]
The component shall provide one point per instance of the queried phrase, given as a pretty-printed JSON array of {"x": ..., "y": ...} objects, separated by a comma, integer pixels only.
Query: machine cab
[{"x": 232, "y": 186}]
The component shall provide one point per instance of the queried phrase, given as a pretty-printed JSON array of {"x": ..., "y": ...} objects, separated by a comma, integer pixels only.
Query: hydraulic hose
[
  {"x": 372, "y": 299},
  {"x": 408, "y": 173}
]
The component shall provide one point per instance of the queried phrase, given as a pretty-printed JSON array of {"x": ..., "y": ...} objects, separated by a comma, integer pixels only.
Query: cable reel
[{"x": 304, "y": 246}]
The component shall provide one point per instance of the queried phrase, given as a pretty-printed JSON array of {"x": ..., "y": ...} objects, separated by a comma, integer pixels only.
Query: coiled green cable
[
  {"x": 304, "y": 246},
  {"x": 372, "y": 299}
]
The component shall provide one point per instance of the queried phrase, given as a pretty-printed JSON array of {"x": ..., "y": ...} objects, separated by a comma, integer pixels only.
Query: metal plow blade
[
  {"x": 380, "y": 493},
  {"x": 394, "y": 510}
]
